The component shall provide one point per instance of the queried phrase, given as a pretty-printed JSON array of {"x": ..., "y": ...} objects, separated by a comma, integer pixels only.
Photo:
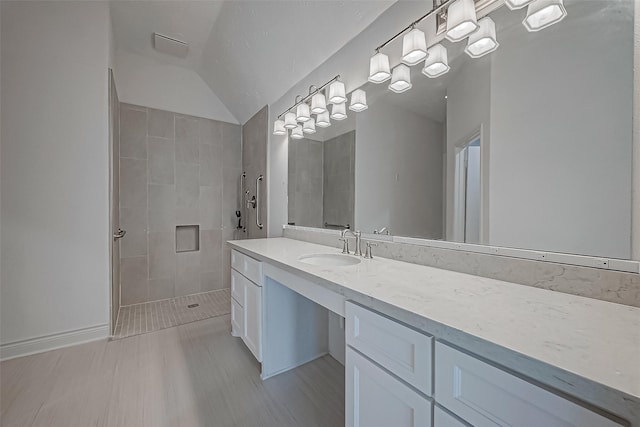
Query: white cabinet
[
  {"x": 441, "y": 418},
  {"x": 237, "y": 319},
  {"x": 252, "y": 335},
  {"x": 246, "y": 301},
  {"x": 375, "y": 398}
]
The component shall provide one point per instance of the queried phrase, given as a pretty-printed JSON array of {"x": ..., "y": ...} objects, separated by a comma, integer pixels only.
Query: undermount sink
[{"x": 330, "y": 260}]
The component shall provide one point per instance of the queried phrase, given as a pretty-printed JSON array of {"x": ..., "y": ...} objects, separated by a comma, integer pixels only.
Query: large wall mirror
[{"x": 527, "y": 147}]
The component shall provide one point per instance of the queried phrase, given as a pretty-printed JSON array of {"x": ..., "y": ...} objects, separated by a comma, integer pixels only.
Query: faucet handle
[
  {"x": 345, "y": 245},
  {"x": 367, "y": 253}
]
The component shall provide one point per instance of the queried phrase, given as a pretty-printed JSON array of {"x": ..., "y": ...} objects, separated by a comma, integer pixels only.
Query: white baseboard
[{"x": 51, "y": 342}]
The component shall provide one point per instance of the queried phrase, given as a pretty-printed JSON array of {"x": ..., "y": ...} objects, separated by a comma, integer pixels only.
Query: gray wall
[
  {"x": 175, "y": 170},
  {"x": 339, "y": 179},
  {"x": 254, "y": 164},
  {"x": 305, "y": 182}
]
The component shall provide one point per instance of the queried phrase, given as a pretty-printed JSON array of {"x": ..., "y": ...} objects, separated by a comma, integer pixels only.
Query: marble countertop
[{"x": 594, "y": 340}]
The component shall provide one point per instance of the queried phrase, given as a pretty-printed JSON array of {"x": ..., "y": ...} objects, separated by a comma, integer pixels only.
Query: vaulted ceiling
[{"x": 248, "y": 52}]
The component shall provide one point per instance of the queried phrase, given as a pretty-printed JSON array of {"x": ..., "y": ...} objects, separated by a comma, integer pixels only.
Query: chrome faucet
[
  {"x": 383, "y": 230},
  {"x": 345, "y": 246}
]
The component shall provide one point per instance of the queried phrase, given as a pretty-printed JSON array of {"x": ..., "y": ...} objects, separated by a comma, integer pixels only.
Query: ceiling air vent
[{"x": 170, "y": 45}]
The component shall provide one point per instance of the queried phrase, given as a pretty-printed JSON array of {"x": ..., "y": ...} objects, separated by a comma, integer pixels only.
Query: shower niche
[{"x": 187, "y": 238}]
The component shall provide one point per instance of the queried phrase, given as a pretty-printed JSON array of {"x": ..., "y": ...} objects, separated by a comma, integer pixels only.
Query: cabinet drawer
[
  {"x": 238, "y": 287},
  {"x": 484, "y": 395},
  {"x": 403, "y": 351},
  {"x": 375, "y": 398},
  {"x": 249, "y": 267},
  {"x": 442, "y": 418},
  {"x": 237, "y": 319}
]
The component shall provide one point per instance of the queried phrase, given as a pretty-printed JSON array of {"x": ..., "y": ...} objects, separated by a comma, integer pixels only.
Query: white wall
[
  {"x": 55, "y": 176},
  {"x": 144, "y": 81},
  {"x": 635, "y": 226},
  {"x": 398, "y": 172},
  {"x": 561, "y": 175}
]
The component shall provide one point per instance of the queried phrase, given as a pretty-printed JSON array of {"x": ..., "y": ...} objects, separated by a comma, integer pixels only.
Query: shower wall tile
[
  {"x": 133, "y": 280},
  {"x": 162, "y": 254},
  {"x": 160, "y": 123},
  {"x": 254, "y": 163},
  {"x": 162, "y": 202},
  {"x": 211, "y": 250},
  {"x": 133, "y": 182},
  {"x": 210, "y": 213},
  {"x": 211, "y": 281},
  {"x": 133, "y": 133},
  {"x": 187, "y": 152},
  {"x": 133, "y": 218},
  {"x": 134, "y": 245},
  {"x": 187, "y": 130},
  {"x": 230, "y": 197},
  {"x": 187, "y": 185},
  {"x": 232, "y": 149},
  {"x": 210, "y": 165},
  {"x": 161, "y": 153},
  {"x": 161, "y": 289},
  {"x": 188, "y": 216},
  {"x": 211, "y": 132},
  {"x": 187, "y": 273}
]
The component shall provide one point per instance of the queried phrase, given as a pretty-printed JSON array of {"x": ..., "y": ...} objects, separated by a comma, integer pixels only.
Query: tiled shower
[{"x": 179, "y": 191}]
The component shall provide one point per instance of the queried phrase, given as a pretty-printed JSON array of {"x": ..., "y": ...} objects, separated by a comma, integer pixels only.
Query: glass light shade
[
  {"x": 436, "y": 63},
  {"x": 414, "y": 47},
  {"x": 302, "y": 113},
  {"x": 400, "y": 79},
  {"x": 296, "y": 133},
  {"x": 322, "y": 120},
  {"x": 278, "y": 127},
  {"x": 309, "y": 126},
  {"x": 379, "y": 70},
  {"x": 337, "y": 93},
  {"x": 543, "y": 13},
  {"x": 358, "y": 101},
  {"x": 290, "y": 120},
  {"x": 318, "y": 103},
  {"x": 484, "y": 40},
  {"x": 461, "y": 20},
  {"x": 517, "y": 4},
  {"x": 338, "y": 111}
]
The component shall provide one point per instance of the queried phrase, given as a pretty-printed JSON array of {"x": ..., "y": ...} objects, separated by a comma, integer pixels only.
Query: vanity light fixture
[
  {"x": 297, "y": 132},
  {"x": 302, "y": 112},
  {"x": 436, "y": 63},
  {"x": 517, "y": 4},
  {"x": 322, "y": 120},
  {"x": 544, "y": 13},
  {"x": 337, "y": 93},
  {"x": 358, "y": 101},
  {"x": 414, "y": 47},
  {"x": 318, "y": 103},
  {"x": 484, "y": 40},
  {"x": 309, "y": 126},
  {"x": 379, "y": 70},
  {"x": 290, "y": 120},
  {"x": 400, "y": 79},
  {"x": 461, "y": 20},
  {"x": 338, "y": 111},
  {"x": 278, "y": 128}
]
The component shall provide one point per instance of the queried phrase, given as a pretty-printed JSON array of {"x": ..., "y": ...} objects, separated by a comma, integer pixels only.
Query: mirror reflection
[{"x": 526, "y": 147}]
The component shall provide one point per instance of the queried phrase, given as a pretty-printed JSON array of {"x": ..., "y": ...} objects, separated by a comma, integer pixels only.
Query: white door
[
  {"x": 252, "y": 335},
  {"x": 375, "y": 398}
]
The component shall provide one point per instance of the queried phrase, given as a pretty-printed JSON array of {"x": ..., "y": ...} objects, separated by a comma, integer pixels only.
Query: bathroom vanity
[{"x": 431, "y": 347}]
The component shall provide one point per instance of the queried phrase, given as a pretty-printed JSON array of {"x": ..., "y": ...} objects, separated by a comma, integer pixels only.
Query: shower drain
[{"x": 193, "y": 305}]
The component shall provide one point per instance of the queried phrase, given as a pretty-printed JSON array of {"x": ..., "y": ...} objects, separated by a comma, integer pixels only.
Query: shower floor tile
[{"x": 152, "y": 316}]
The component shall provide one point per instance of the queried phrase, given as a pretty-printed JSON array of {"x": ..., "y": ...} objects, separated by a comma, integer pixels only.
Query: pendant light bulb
[
  {"x": 436, "y": 63},
  {"x": 544, "y": 13},
  {"x": 461, "y": 20},
  {"x": 322, "y": 120},
  {"x": 318, "y": 103},
  {"x": 296, "y": 133},
  {"x": 484, "y": 40},
  {"x": 337, "y": 93},
  {"x": 290, "y": 120},
  {"x": 338, "y": 111},
  {"x": 302, "y": 112},
  {"x": 278, "y": 127},
  {"x": 358, "y": 101},
  {"x": 400, "y": 79},
  {"x": 379, "y": 70},
  {"x": 414, "y": 47},
  {"x": 517, "y": 4},
  {"x": 309, "y": 126}
]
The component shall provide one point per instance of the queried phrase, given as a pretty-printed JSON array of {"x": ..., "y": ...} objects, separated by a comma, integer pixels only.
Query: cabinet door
[
  {"x": 237, "y": 319},
  {"x": 252, "y": 335},
  {"x": 376, "y": 398},
  {"x": 443, "y": 419}
]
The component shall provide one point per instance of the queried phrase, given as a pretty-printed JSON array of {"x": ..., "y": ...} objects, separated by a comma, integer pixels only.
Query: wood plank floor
[{"x": 191, "y": 375}]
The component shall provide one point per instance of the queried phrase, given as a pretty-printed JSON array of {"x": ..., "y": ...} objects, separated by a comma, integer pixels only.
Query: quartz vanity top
[{"x": 596, "y": 340}]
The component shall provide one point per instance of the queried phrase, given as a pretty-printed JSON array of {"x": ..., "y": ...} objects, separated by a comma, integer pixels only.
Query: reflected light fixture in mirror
[
  {"x": 358, "y": 101},
  {"x": 436, "y": 63},
  {"x": 379, "y": 70},
  {"x": 302, "y": 113},
  {"x": 318, "y": 103},
  {"x": 517, "y": 4},
  {"x": 290, "y": 120},
  {"x": 278, "y": 128},
  {"x": 309, "y": 126},
  {"x": 297, "y": 132},
  {"x": 484, "y": 40},
  {"x": 400, "y": 79},
  {"x": 337, "y": 93},
  {"x": 544, "y": 13},
  {"x": 322, "y": 120},
  {"x": 461, "y": 20},
  {"x": 338, "y": 111},
  {"x": 414, "y": 47}
]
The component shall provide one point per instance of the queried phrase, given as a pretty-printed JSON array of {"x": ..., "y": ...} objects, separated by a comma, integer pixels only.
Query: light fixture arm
[{"x": 300, "y": 99}]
